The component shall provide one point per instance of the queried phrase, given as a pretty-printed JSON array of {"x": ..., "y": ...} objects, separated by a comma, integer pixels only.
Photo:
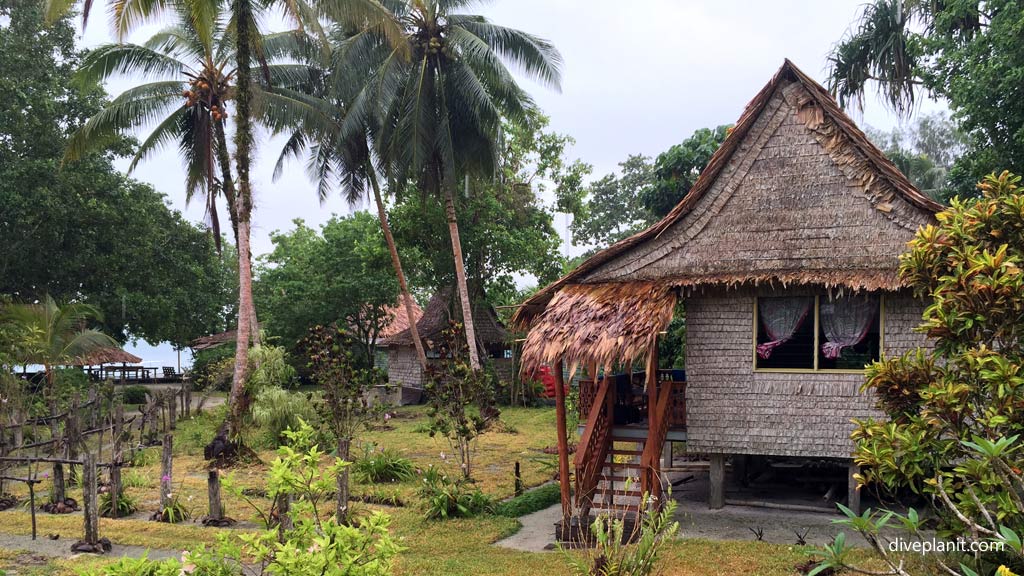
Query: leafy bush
[
  {"x": 276, "y": 410},
  {"x": 212, "y": 368},
  {"x": 529, "y": 502},
  {"x": 954, "y": 415},
  {"x": 614, "y": 552},
  {"x": 126, "y": 505},
  {"x": 134, "y": 394},
  {"x": 144, "y": 457},
  {"x": 221, "y": 560},
  {"x": 461, "y": 399},
  {"x": 382, "y": 465},
  {"x": 132, "y": 479},
  {"x": 445, "y": 498},
  {"x": 269, "y": 368}
]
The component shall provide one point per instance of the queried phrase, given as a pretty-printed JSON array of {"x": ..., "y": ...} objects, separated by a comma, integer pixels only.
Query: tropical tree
[
  {"x": 344, "y": 158},
  {"x": 52, "y": 336},
  {"x": 967, "y": 52},
  {"x": 439, "y": 97},
  {"x": 191, "y": 63}
]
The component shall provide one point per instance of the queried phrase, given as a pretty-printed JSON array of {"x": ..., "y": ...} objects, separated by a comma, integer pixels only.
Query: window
[{"x": 817, "y": 332}]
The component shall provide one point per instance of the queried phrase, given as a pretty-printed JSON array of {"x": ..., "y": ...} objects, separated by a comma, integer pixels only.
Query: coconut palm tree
[
  {"x": 435, "y": 102},
  {"x": 191, "y": 65},
  {"x": 344, "y": 159},
  {"x": 244, "y": 22}
]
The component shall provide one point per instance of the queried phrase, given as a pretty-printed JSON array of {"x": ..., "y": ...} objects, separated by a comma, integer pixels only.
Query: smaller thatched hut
[{"x": 492, "y": 339}]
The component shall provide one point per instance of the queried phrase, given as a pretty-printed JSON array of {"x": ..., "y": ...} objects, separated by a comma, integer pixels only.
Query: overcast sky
[{"x": 639, "y": 76}]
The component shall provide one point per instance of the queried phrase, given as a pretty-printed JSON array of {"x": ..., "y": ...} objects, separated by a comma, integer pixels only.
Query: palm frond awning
[
  {"x": 603, "y": 324},
  {"x": 107, "y": 355}
]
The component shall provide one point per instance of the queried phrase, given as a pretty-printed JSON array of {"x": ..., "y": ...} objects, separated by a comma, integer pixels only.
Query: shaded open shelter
[
  {"x": 493, "y": 339},
  {"x": 785, "y": 256},
  {"x": 107, "y": 355}
]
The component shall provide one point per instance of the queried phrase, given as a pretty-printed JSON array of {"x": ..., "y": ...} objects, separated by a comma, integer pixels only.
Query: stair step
[
  {"x": 619, "y": 478},
  {"x": 617, "y": 492},
  {"x": 623, "y": 466}
]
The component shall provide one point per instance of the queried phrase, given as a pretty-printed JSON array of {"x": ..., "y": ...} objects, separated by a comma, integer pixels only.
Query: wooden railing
[
  {"x": 676, "y": 410},
  {"x": 650, "y": 465},
  {"x": 594, "y": 445}
]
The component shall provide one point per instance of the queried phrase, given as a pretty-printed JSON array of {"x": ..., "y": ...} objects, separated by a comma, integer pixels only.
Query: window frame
[{"x": 817, "y": 342}]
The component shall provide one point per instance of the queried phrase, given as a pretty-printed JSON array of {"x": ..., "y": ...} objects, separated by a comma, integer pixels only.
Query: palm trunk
[
  {"x": 397, "y": 264},
  {"x": 460, "y": 278},
  {"x": 243, "y": 151},
  {"x": 228, "y": 185}
]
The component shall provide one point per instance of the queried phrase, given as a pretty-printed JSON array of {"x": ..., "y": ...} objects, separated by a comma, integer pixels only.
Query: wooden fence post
[
  {"x": 116, "y": 456},
  {"x": 213, "y": 492},
  {"x": 57, "y": 496},
  {"x": 91, "y": 507},
  {"x": 166, "y": 473},
  {"x": 172, "y": 407}
]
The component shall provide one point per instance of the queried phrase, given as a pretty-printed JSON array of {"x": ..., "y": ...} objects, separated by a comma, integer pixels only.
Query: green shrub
[
  {"x": 126, "y": 505},
  {"x": 212, "y": 368},
  {"x": 144, "y": 457},
  {"x": 382, "y": 465},
  {"x": 275, "y": 411},
  {"x": 132, "y": 479},
  {"x": 269, "y": 368},
  {"x": 445, "y": 498},
  {"x": 614, "y": 552},
  {"x": 134, "y": 394},
  {"x": 529, "y": 502},
  {"x": 141, "y": 566}
]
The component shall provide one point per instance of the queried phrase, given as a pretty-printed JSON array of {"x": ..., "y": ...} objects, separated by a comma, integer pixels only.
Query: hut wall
[
  {"x": 404, "y": 367},
  {"x": 503, "y": 369},
  {"x": 733, "y": 409}
]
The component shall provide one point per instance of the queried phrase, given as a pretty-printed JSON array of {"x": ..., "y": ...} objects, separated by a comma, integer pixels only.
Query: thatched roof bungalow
[
  {"x": 785, "y": 255},
  {"x": 492, "y": 338}
]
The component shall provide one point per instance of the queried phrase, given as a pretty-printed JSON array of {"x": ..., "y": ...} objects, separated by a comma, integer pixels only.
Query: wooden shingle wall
[{"x": 732, "y": 409}]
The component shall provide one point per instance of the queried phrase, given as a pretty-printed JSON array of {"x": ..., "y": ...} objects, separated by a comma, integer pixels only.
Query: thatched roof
[
  {"x": 107, "y": 355},
  {"x": 796, "y": 194},
  {"x": 605, "y": 324},
  {"x": 443, "y": 308},
  {"x": 399, "y": 319},
  {"x": 214, "y": 340}
]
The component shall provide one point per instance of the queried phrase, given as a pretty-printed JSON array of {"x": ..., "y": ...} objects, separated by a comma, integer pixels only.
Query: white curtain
[
  {"x": 845, "y": 323},
  {"x": 781, "y": 318}
]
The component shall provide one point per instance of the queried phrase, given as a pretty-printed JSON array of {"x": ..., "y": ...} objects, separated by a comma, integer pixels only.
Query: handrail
[
  {"x": 593, "y": 447},
  {"x": 650, "y": 483}
]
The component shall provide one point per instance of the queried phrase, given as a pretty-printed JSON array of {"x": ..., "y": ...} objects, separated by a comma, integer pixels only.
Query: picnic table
[{"x": 124, "y": 372}]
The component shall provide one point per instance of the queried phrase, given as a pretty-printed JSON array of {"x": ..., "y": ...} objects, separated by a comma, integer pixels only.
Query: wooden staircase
[{"x": 613, "y": 472}]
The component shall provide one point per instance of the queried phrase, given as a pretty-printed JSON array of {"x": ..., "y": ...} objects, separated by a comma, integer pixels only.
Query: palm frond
[
  {"x": 533, "y": 56},
  {"x": 134, "y": 108},
  {"x": 126, "y": 59}
]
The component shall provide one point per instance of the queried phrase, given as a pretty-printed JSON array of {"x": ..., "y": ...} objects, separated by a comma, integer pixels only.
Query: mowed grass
[{"x": 454, "y": 547}]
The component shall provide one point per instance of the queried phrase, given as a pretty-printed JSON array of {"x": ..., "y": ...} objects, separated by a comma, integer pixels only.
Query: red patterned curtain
[{"x": 781, "y": 318}]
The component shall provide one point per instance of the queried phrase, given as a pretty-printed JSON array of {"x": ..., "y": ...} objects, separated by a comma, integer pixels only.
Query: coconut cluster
[{"x": 201, "y": 92}]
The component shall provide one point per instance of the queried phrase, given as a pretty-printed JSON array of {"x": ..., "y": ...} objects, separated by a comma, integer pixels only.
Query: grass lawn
[{"x": 454, "y": 547}]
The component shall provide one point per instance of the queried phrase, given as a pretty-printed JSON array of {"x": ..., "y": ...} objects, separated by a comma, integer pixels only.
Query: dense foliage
[
  {"x": 341, "y": 274},
  {"x": 925, "y": 152},
  {"x": 82, "y": 230},
  {"x": 968, "y": 53},
  {"x": 954, "y": 420},
  {"x": 616, "y": 206}
]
